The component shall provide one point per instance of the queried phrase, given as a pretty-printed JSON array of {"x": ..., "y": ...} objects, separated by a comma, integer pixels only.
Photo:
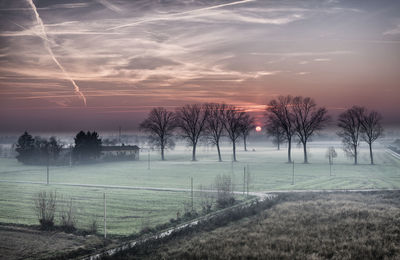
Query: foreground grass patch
[
  {"x": 128, "y": 211},
  {"x": 309, "y": 226}
]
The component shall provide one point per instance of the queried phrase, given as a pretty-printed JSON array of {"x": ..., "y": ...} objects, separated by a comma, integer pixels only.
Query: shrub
[
  {"x": 224, "y": 191},
  {"x": 67, "y": 217},
  {"x": 206, "y": 200},
  {"x": 45, "y": 207},
  {"x": 93, "y": 227}
]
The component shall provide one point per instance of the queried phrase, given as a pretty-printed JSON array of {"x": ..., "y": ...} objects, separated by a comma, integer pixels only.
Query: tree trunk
[
  {"x": 355, "y": 155},
  {"x": 370, "y": 153},
  {"x": 305, "y": 152},
  {"x": 234, "y": 150},
  {"x": 244, "y": 142},
  {"x": 289, "y": 149},
  {"x": 279, "y": 145},
  {"x": 162, "y": 153},
  {"x": 194, "y": 152},
  {"x": 219, "y": 153}
]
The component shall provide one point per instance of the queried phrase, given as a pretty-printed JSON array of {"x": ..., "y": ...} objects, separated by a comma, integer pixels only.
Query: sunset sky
[{"x": 125, "y": 57}]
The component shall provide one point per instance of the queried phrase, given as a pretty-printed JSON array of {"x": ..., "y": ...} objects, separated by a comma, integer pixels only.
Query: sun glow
[{"x": 258, "y": 128}]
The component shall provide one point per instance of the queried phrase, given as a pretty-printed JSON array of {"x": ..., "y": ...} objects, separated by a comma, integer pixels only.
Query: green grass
[{"x": 130, "y": 210}]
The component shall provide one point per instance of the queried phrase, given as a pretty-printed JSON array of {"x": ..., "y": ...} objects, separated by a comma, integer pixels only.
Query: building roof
[{"x": 120, "y": 148}]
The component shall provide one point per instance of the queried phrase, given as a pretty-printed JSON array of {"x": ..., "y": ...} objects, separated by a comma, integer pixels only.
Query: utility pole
[
  {"x": 105, "y": 215},
  {"x": 293, "y": 172},
  {"x": 47, "y": 172},
  {"x": 70, "y": 155},
  {"x": 148, "y": 160},
  {"x": 47, "y": 166},
  {"x": 119, "y": 134}
]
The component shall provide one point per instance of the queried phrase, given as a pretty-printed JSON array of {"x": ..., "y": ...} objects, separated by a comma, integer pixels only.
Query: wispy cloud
[
  {"x": 322, "y": 59},
  {"x": 303, "y": 73},
  {"x": 47, "y": 45},
  {"x": 180, "y": 15},
  {"x": 300, "y": 54},
  {"x": 393, "y": 31},
  {"x": 110, "y": 6}
]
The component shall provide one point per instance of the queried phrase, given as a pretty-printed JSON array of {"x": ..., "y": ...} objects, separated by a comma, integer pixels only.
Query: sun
[{"x": 258, "y": 128}]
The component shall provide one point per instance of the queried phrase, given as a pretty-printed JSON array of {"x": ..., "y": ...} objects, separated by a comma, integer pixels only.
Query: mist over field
[{"x": 207, "y": 129}]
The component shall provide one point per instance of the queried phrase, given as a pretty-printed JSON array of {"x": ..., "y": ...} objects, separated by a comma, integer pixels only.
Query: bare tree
[
  {"x": 191, "y": 119},
  {"x": 248, "y": 125},
  {"x": 160, "y": 124},
  {"x": 215, "y": 124},
  {"x": 274, "y": 130},
  {"x": 280, "y": 111},
  {"x": 307, "y": 120},
  {"x": 330, "y": 154},
  {"x": 371, "y": 129},
  {"x": 233, "y": 119},
  {"x": 349, "y": 122},
  {"x": 45, "y": 208}
]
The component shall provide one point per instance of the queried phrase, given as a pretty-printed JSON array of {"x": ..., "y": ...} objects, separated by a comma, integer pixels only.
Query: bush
[
  {"x": 93, "y": 227},
  {"x": 224, "y": 191},
  {"x": 67, "y": 217},
  {"x": 45, "y": 207},
  {"x": 206, "y": 199}
]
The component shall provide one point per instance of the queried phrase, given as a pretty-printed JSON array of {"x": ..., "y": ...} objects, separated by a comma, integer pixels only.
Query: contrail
[
  {"x": 46, "y": 44},
  {"x": 182, "y": 13}
]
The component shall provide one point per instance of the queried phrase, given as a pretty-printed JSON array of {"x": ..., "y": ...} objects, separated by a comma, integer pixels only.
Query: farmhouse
[{"x": 122, "y": 152}]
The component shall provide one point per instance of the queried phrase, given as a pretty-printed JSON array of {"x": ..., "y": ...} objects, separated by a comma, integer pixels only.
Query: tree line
[
  {"x": 40, "y": 151},
  {"x": 210, "y": 120},
  {"x": 286, "y": 118}
]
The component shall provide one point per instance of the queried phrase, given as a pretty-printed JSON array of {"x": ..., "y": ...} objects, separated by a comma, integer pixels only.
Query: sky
[{"x": 101, "y": 64}]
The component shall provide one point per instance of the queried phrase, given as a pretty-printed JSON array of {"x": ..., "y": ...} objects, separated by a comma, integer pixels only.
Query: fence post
[
  {"x": 244, "y": 179},
  {"x": 248, "y": 179},
  {"x": 191, "y": 190},
  {"x": 105, "y": 215},
  {"x": 293, "y": 172}
]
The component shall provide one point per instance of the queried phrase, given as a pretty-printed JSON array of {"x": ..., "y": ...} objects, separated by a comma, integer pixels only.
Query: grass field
[
  {"x": 130, "y": 210},
  {"x": 301, "y": 226}
]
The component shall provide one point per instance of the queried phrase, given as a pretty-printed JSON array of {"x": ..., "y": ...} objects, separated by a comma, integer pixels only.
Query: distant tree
[
  {"x": 87, "y": 146},
  {"x": 307, "y": 120},
  {"x": 233, "y": 118},
  {"x": 280, "y": 111},
  {"x": 46, "y": 151},
  {"x": 274, "y": 130},
  {"x": 330, "y": 154},
  {"x": 160, "y": 125},
  {"x": 25, "y": 148},
  {"x": 37, "y": 150},
  {"x": 215, "y": 124},
  {"x": 248, "y": 125},
  {"x": 54, "y": 147},
  {"x": 371, "y": 129},
  {"x": 109, "y": 142},
  {"x": 191, "y": 120},
  {"x": 350, "y": 130}
]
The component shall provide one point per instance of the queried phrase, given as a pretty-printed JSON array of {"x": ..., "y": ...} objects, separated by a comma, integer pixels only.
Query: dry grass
[{"x": 304, "y": 226}]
